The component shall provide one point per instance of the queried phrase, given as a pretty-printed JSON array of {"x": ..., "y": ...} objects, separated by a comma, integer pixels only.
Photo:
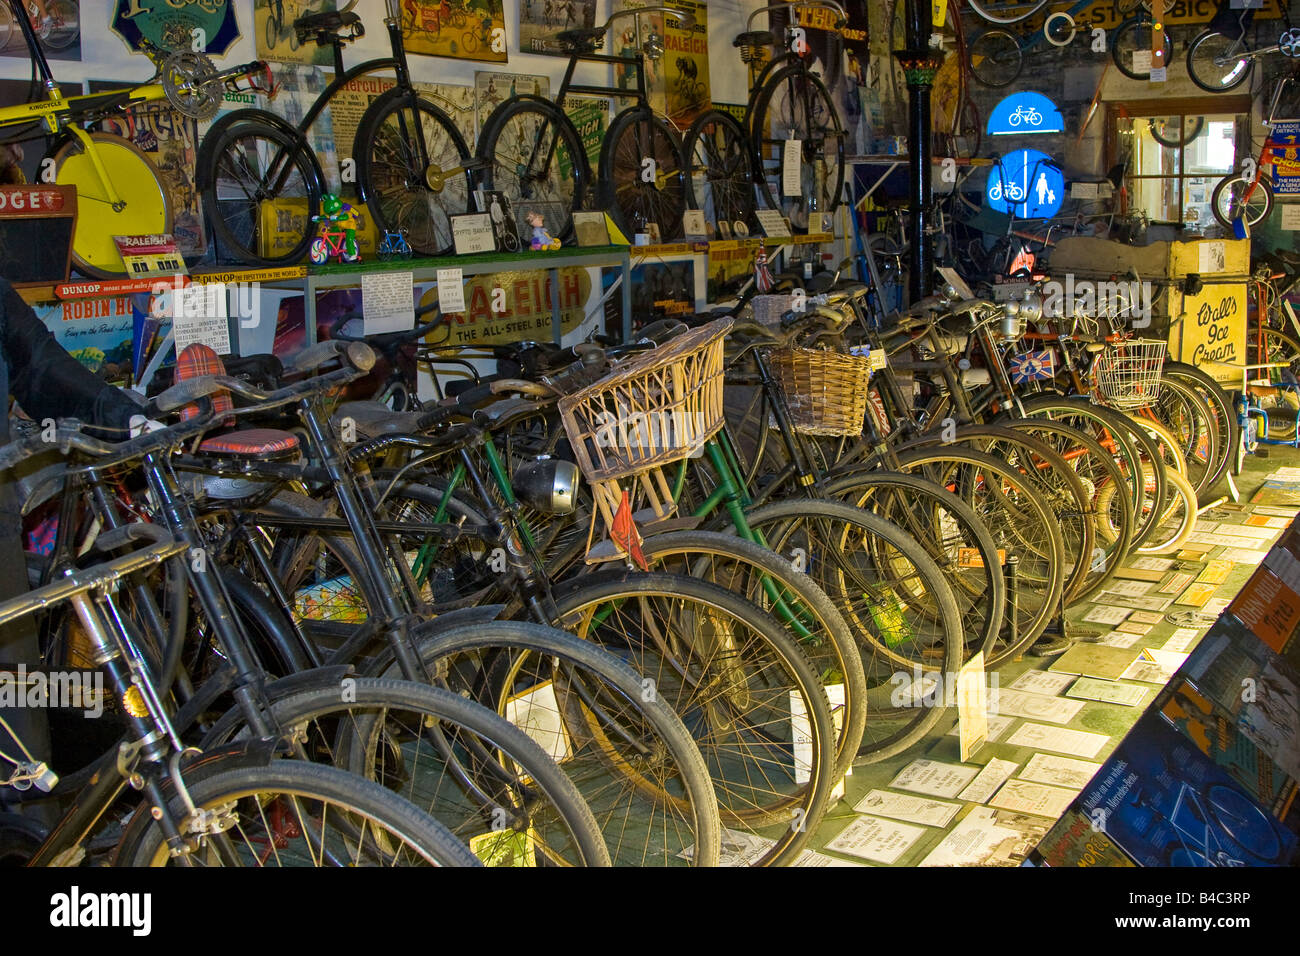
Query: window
[{"x": 1174, "y": 152}]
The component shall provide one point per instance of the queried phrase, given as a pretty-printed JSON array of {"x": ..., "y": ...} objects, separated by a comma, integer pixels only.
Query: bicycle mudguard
[{"x": 482, "y": 614}]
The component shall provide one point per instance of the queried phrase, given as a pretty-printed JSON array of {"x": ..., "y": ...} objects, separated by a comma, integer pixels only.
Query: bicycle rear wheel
[
  {"x": 1006, "y": 11},
  {"x": 66, "y": 29},
  {"x": 291, "y": 813},
  {"x": 145, "y": 209},
  {"x": 533, "y": 154},
  {"x": 260, "y": 191},
  {"x": 411, "y": 170},
  {"x": 642, "y": 173},
  {"x": 1131, "y": 48}
]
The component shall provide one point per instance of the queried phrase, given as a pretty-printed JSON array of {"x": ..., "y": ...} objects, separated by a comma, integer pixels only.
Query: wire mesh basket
[
  {"x": 1127, "y": 374},
  {"x": 825, "y": 392},
  {"x": 655, "y": 409}
]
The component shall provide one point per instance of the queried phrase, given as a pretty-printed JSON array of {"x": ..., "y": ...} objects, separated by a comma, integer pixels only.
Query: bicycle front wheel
[
  {"x": 260, "y": 191},
  {"x": 411, "y": 168},
  {"x": 67, "y": 24},
  {"x": 290, "y": 813},
  {"x": 1216, "y": 64},
  {"x": 794, "y": 105},
  {"x": 144, "y": 208},
  {"x": 480, "y": 776},
  {"x": 1006, "y": 11},
  {"x": 995, "y": 58},
  {"x": 643, "y": 173},
  {"x": 1236, "y": 197},
  {"x": 1131, "y": 48},
  {"x": 533, "y": 154},
  {"x": 720, "y": 169},
  {"x": 745, "y": 690}
]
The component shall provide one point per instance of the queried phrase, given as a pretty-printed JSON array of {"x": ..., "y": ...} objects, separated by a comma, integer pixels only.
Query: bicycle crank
[{"x": 192, "y": 85}]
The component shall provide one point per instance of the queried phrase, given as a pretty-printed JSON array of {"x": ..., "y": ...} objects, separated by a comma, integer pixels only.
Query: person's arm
[{"x": 50, "y": 383}]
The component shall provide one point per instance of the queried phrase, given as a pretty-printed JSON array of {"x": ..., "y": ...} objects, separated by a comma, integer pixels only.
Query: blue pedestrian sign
[{"x": 1026, "y": 184}]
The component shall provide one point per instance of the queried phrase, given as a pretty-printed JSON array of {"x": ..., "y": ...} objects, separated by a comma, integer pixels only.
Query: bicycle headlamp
[{"x": 549, "y": 485}]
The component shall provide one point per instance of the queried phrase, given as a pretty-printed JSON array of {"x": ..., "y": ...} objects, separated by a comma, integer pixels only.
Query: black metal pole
[{"x": 919, "y": 64}]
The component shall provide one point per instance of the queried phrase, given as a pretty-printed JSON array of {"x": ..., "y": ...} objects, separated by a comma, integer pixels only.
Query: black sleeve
[{"x": 50, "y": 383}]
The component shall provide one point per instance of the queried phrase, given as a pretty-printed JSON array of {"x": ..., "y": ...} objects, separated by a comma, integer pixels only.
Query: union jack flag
[{"x": 1032, "y": 366}]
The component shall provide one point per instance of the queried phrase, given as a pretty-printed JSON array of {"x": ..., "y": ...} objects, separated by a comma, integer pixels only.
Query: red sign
[{"x": 29, "y": 200}]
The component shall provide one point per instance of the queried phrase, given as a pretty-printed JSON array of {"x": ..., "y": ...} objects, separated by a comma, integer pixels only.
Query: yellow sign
[{"x": 509, "y": 307}]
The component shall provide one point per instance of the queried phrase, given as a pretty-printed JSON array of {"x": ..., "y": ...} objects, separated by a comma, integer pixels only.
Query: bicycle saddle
[
  {"x": 582, "y": 40},
  {"x": 373, "y": 419},
  {"x": 263, "y": 443},
  {"x": 755, "y": 38},
  {"x": 327, "y": 27}
]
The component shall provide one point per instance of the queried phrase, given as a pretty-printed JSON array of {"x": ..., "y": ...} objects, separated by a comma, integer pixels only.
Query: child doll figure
[{"x": 541, "y": 238}]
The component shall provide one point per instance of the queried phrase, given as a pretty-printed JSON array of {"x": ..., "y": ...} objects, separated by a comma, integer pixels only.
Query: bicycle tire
[
  {"x": 430, "y": 843},
  {"x": 621, "y": 732},
  {"x": 138, "y": 184},
  {"x": 1236, "y": 197},
  {"x": 1178, "y": 521},
  {"x": 1268, "y": 345},
  {"x": 1098, "y": 470},
  {"x": 946, "y": 526},
  {"x": 7, "y": 25},
  {"x": 234, "y": 191},
  {"x": 403, "y": 177},
  {"x": 272, "y": 31},
  {"x": 639, "y": 143},
  {"x": 1181, "y": 138},
  {"x": 369, "y": 726},
  {"x": 726, "y": 654},
  {"x": 1220, "y": 405},
  {"x": 744, "y": 568},
  {"x": 554, "y": 191},
  {"x": 1012, "y": 12},
  {"x": 1021, "y": 523},
  {"x": 1133, "y": 36},
  {"x": 822, "y": 144},
  {"x": 1209, "y": 47},
  {"x": 720, "y": 169},
  {"x": 886, "y": 614},
  {"x": 1191, "y": 422},
  {"x": 995, "y": 58}
]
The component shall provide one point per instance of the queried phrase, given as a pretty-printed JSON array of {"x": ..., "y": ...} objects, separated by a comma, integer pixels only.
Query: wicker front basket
[
  {"x": 825, "y": 392},
  {"x": 1128, "y": 373},
  {"x": 657, "y": 408}
]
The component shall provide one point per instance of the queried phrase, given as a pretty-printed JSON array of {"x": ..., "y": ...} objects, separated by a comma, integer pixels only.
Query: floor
[{"x": 942, "y": 809}]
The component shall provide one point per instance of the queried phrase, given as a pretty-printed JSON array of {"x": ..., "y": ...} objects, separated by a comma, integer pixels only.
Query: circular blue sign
[{"x": 1026, "y": 184}]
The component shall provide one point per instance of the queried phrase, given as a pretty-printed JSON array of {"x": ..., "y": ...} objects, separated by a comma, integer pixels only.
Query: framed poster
[
  {"x": 540, "y": 21},
  {"x": 206, "y": 25},
  {"x": 274, "y": 34},
  {"x": 60, "y": 38},
  {"x": 464, "y": 29}
]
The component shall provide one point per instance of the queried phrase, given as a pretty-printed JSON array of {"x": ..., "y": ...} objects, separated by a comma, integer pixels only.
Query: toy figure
[
  {"x": 541, "y": 238},
  {"x": 341, "y": 239}
]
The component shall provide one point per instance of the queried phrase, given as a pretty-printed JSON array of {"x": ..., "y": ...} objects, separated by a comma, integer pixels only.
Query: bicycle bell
[{"x": 547, "y": 484}]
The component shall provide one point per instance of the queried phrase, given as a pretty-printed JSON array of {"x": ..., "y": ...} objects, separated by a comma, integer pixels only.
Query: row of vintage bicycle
[{"x": 603, "y": 605}]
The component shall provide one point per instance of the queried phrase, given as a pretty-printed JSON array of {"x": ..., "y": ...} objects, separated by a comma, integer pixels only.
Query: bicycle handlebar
[
  {"x": 684, "y": 20},
  {"x": 826, "y": 4}
]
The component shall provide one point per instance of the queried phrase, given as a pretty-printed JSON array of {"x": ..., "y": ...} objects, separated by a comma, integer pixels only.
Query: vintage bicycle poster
[
  {"x": 491, "y": 89},
  {"x": 638, "y": 34},
  {"x": 540, "y": 22},
  {"x": 464, "y": 29},
  {"x": 170, "y": 140},
  {"x": 60, "y": 37},
  {"x": 276, "y": 38},
  {"x": 207, "y": 25},
  {"x": 686, "y": 64}
]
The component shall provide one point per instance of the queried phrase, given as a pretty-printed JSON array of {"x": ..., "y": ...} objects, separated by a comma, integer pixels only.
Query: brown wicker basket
[
  {"x": 655, "y": 409},
  {"x": 825, "y": 392}
]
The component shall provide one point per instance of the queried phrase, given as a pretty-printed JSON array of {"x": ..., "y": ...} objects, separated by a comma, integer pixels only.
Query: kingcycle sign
[{"x": 1025, "y": 113}]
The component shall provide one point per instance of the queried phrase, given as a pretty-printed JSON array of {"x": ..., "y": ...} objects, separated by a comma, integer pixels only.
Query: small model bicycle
[
  {"x": 332, "y": 242},
  {"x": 393, "y": 245}
]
